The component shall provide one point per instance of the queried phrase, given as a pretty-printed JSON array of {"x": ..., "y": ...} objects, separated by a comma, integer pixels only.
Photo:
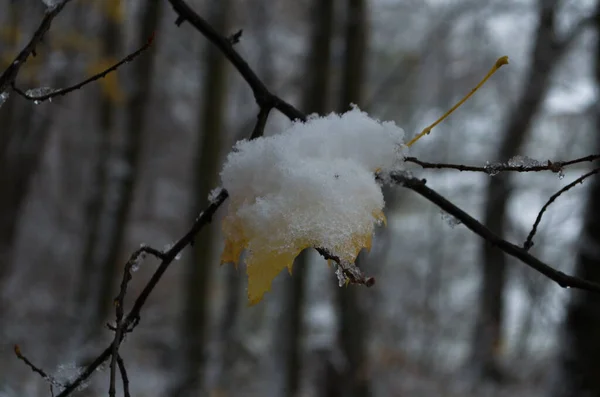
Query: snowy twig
[
  {"x": 562, "y": 279},
  {"x": 10, "y": 74},
  {"x": 352, "y": 273},
  {"x": 98, "y": 76},
  {"x": 556, "y": 166},
  {"x": 36, "y": 369},
  {"x": 529, "y": 241},
  {"x": 134, "y": 314}
]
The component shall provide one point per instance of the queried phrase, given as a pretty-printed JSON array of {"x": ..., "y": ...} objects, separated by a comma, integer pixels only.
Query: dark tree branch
[
  {"x": 120, "y": 327},
  {"x": 352, "y": 273},
  {"x": 124, "y": 376},
  {"x": 529, "y": 241},
  {"x": 264, "y": 98},
  {"x": 36, "y": 369},
  {"x": 562, "y": 279},
  {"x": 266, "y": 102},
  {"x": 10, "y": 74},
  {"x": 98, "y": 76},
  {"x": 556, "y": 166},
  {"x": 134, "y": 314},
  {"x": 576, "y": 32}
]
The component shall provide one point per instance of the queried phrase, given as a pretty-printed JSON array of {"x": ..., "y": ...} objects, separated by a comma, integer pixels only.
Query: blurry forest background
[{"x": 130, "y": 160}]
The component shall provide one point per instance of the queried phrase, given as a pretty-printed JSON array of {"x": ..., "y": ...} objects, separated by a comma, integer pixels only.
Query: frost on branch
[
  {"x": 3, "y": 97},
  {"x": 313, "y": 185}
]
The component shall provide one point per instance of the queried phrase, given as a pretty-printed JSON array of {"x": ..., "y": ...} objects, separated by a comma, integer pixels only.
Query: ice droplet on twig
[
  {"x": 339, "y": 272},
  {"x": 493, "y": 169},
  {"x": 449, "y": 219},
  {"x": 3, "y": 97},
  {"x": 523, "y": 161},
  {"x": 212, "y": 196},
  {"x": 38, "y": 92}
]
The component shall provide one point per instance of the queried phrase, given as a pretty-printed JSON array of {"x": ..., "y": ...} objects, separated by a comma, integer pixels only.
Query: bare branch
[
  {"x": 124, "y": 376},
  {"x": 556, "y": 166},
  {"x": 36, "y": 369},
  {"x": 529, "y": 241},
  {"x": 134, "y": 314},
  {"x": 11, "y": 73},
  {"x": 264, "y": 98},
  {"x": 576, "y": 32},
  {"x": 98, "y": 76},
  {"x": 562, "y": 279}
]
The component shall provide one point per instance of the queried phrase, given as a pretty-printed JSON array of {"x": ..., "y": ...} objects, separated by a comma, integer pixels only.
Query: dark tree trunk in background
[
  {"x": 122, "y": 185},
  {"x": 289, "y": 331},
  {"x": 579, "y": 352},
  {"x": 487, "y": 340},
  {"x": 353, "y": 319},
  {"x": 197, "y": 284},
  {"x": 9, "y": 207},
  {"x": 117, "y": 170},
  {"x": 24, "y": 131},
  {"x": 90, "y": 271}
]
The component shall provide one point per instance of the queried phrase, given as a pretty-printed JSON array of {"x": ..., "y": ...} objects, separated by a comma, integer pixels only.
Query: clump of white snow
[{"x": 313, "y": 183}]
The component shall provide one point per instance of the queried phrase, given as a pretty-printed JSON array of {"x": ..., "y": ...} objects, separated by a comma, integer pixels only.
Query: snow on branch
[
  {"x": 312, "y": 185},
  {"x": 315, "y": 185}
]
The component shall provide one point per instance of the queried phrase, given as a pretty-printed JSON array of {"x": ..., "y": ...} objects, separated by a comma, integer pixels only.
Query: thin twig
[
  {"x": 124, "y": 376},
  {"x": 36, "y": 369},
  {"x": 556, "y": 166},
  {"x": 264, "y": 98},
  {"x": 529, "y": 241},
  {"x": 562, "y": 279},
  {"x": 10, "y": 74},
  {"x": 98, "y": 76},
  {"x": 134, "y": 314},
  {"x": 351, "y": 272}
]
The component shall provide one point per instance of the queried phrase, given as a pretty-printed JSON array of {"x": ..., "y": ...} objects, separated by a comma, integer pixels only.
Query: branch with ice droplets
[
  {"x": 53, "y": 382},
  {"x": 512, "y": 166},
  {"x": 38, "y": 95},
  {"x": 529, "y": 241},
  {"x": 167, "y": 257},
  {"x": 10, "y": 74},
  {"x": 499, "y": 63},
  {"x": 562, "y": 279}
]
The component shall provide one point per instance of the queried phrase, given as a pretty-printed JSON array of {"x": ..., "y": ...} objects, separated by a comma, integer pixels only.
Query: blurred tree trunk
[
  {"x": 90, "y": 271},
  {"x": 227, "y": 338},
  {"x": 123, "y": 183},
  {"x": 118, "y": 167},
  {"x": 9, "y": 207},
  {"x": 25, "y": 131},
  {"x": 353, "y": 319},
  {"x": 487, "y": 340},
  {"x": 196, "y": 315},
  {"x": 579, "y": 349},
  {"x": 289, "y": 332}
]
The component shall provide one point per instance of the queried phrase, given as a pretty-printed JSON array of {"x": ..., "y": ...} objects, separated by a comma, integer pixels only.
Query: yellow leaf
[{"x": 264, "y": 263}]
